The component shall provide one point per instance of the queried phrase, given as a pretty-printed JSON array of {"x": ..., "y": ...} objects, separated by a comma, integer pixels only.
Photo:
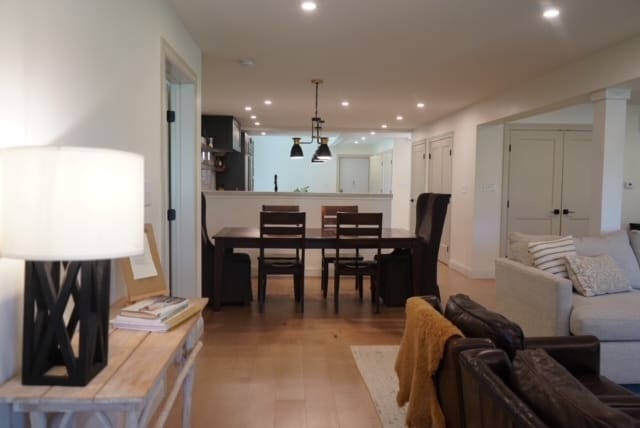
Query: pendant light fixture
[{"x": 322, "y": 152}]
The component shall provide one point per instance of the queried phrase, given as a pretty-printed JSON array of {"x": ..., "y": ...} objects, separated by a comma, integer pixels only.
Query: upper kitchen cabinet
[{"x": 225, "y": 132}]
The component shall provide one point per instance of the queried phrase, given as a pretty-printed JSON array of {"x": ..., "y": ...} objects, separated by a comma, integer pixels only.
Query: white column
[{"x": 609, "y": 122}]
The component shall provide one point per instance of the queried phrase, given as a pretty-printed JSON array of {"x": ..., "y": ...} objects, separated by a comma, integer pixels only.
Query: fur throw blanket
[{"x": 426, "y": 332}]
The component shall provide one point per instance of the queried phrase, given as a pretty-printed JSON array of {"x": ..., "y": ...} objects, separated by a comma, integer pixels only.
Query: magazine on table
[
  {"x": 156, "y": 324},
  {"x": 158, "y": 307}
]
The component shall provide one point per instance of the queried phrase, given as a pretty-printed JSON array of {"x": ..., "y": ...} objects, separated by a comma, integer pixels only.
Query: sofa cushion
[
  {"x": 615, "y": 244},
  {"x": 550, "y": 255},
  {"x": 593, "y": 276},
  {"x": 557, "y": 397},
  {"x": 519, "y": 246},
  {"x": 474, "y": 320},
  {"x": 611, "y": 317},
  {"x": 634, "y": 239}
]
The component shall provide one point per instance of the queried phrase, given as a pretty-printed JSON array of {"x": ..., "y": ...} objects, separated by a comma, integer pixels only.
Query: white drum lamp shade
[{"x": 71, "y": 203}]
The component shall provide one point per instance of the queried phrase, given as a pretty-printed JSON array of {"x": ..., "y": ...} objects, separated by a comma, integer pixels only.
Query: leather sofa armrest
[
  {"x": 623, "y": 401},
  {"x": 578, "y": 354},
  {"x": 433, "y": 301}
]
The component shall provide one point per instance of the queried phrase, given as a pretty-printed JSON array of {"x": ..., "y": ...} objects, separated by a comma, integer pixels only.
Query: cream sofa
[{"x": 546, "y": 305}]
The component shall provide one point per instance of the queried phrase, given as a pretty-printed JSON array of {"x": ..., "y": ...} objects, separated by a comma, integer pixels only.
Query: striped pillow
[{"x": 550, "y": 255}]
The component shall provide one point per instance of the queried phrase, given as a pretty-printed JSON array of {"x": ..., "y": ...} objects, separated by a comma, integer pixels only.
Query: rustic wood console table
[{"x": 133, "y": 384}]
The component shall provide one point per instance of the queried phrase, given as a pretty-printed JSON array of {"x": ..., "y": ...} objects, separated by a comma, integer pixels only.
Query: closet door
[
  {"x": 535, "y": 182},
  {"x": 576, "y": 183},
  {"x": 549, "y": 182},
  {"x": 418, "y": 177},
  {"x": 440, "y": 160}
]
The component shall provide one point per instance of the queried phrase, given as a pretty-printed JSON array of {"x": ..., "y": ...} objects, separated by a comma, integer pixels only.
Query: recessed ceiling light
[
  {"x": 551, "y": 12},
  {"x": 247, "y": 62},
  {"x": 248, "y": 108},
  {"x": 420, "y": 105},
  {"x": 263, "y": 133},
  {"x": 253, "y": 116},
  {"x": 267, "y": 102},
  {"x": 345, "y": 103},
  {"x": 256, "y": 123},
  {"x": 363, "y": 138},
  {"x": 399, "y": 117},
  {"x": 372, "y": 132},
  {"x": 308, "y": 6},
  {"x": 383, "y": 126},
  {"x": 356, "y": 142}
]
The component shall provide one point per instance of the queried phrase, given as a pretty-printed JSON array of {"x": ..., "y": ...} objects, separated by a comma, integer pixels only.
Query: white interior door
[
  {"x": 549, "y": 182},
  {"x": 375, "y": 173},
  {"x": 354, "y": 175},
  {"x": 418, "y": 177},
  {"x": 440, "y": 160},
  {"x": 387, "y": 165},
  {"x": 535, "y": 182},
  {"x": 576, "y": 183}
]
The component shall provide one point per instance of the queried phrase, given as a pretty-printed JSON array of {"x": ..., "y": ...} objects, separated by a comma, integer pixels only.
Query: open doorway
[{"x": 180, "y": 176}]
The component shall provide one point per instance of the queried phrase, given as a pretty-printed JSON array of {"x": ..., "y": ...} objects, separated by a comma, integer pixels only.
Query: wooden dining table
[{"x": 316, "y": 238}]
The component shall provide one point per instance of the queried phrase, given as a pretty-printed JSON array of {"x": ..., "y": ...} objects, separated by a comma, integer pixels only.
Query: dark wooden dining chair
[
  {"x": 328, "y": 223},
  {"x": 431, "y": 212},
  {"x": 281, "y": 208},
  {"x": 357, "y": 230},
  {"x": 282, "y": 230}
]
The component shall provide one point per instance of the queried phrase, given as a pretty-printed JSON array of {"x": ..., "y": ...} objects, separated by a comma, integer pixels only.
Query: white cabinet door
[
  {"x": 440, "y": 157},
  {"x": 387, "y": 167}
]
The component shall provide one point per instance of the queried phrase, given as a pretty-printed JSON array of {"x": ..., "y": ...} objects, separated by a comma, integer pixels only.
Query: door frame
[
  {"x": 186, "y": 251},
  {"x": 508, "y": 127}
]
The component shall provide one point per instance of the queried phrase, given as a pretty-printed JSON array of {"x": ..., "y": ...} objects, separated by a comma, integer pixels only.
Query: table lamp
[{"x": 67, "y": 211}]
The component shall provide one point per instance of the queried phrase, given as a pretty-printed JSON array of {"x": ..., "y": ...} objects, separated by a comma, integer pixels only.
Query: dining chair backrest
[
  {"x": 328, "y": 214},
  {"x": 358, "y": 225},
  {"x": 281, "y": 208},
  {"x": 288, "y": 227}
]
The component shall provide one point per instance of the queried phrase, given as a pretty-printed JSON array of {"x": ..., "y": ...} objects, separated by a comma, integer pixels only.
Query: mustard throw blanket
[{"x": 426, "y": 332}]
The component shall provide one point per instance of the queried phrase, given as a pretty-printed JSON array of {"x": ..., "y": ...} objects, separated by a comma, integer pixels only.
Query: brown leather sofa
[
  {"x": 535, "y": 391},
  {"x": 486, "y": 330}
]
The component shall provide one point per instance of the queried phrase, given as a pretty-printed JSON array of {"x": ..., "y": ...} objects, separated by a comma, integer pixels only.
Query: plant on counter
[{"x": 304, "y": 189}]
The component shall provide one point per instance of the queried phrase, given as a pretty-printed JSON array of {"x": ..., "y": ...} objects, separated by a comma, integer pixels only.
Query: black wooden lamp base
[{"x": 50, "y": 353}]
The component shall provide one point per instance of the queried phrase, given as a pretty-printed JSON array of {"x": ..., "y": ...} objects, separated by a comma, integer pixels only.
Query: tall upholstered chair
[
  {"x": 328, "y": 223},
  {"x": 356, "y": 229},
  {"x": 431, "y": 211},
  {"x": 236, "y": 281},
  {"x": 289, "y": 229}
]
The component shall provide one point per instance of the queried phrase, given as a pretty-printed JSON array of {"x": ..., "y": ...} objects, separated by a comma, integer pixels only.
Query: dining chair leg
[
  {"x": 262, "y": 290},
  {"x": 301, "y": 291},
  {"x": 325, "y": 278},
  {"x": 336, "y": 287},
  {"x": 359, "y": 286},
  {"x": 375, "y": 293}
]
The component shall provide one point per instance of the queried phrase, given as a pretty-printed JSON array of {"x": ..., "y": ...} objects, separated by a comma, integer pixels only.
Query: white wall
[
  {"x": 567, "y": 85},
  {"x": 271, "y": 156},
  {"x": 85, "y": 73},
  {"x": 631, "y": 197}
]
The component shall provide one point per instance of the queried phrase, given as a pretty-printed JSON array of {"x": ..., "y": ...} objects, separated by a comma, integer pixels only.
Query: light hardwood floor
[{"x": 286, "y": 369}]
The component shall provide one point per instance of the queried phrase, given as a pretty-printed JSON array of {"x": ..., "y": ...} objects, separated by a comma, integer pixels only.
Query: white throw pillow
[
  {"x": 615, "y": 244},
  {"x": 550, "y": 255},
  {"x": 634, "y": 239},
  {"x": 593, "y": 276},
  {"x": 519, "y": 246}
]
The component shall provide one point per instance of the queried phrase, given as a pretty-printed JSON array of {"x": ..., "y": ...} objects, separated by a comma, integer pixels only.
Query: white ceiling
[{"x": 384, "y": 56}]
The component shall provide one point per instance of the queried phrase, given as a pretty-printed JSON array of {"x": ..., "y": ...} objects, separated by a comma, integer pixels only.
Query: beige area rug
[{"x": 376, "y": 366}]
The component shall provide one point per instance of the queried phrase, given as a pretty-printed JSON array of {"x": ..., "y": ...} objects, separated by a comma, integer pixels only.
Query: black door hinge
[
  {"x": 171, "y": 214},
  {"x": 509, "y": 148},
  {"x": 171, "y": 116}
]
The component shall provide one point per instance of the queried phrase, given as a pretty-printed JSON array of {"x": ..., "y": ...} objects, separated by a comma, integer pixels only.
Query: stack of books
[{"x": 159, "y": 313}]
